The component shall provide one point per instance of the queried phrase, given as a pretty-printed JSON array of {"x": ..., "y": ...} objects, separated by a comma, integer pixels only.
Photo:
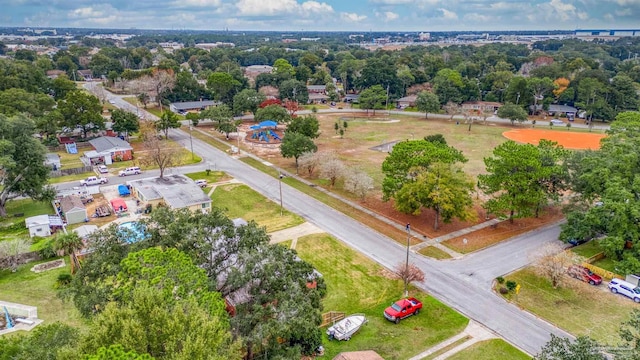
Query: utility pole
[
  {"x": 191, "y": 141},
  {"x": 406, "y": 266},
  {"x": 280, "y": 182},
  {"x": 386, "y": 104}
]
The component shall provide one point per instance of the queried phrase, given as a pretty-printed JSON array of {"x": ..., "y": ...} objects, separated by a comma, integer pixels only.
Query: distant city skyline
[{"x": 327, "y": 15}]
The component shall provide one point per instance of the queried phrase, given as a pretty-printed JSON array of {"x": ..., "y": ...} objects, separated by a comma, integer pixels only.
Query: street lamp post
[
  {"x": 280, "y": 183},
  {"x": 406, "y": 266},
  {"x": 191, "y": 141}
]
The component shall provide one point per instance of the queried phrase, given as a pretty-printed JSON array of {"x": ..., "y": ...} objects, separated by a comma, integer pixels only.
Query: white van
[{"x": 130, "y": 171}]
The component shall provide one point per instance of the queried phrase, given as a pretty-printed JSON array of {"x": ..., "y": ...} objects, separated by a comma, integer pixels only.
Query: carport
[{"x": 118, "y": 205}]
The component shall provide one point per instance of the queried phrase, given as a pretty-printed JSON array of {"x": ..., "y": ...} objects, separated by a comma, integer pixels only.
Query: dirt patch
[
  {"x": 494, "y": 234},
  {"x": 568, "y": 139}
]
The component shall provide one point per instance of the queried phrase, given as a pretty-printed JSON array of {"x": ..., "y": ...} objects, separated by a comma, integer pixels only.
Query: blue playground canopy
[{"x": 268, "y": 123}]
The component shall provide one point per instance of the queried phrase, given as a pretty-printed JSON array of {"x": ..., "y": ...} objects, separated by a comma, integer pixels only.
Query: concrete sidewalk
[
  {"x": 294, "y": 233},
  {"x": 474, "y": 330},
  {"x": 436, "y": 242}
]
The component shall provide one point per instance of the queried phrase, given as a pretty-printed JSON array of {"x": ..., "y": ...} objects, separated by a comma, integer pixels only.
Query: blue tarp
[
  {"x": 255, "y": 127},
  {"x": 123, "y": 190}
]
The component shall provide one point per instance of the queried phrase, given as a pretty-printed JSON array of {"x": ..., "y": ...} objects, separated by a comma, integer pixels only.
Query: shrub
[
  {"x": 511, "y": 285},
  {"x": 500, "y": 280},
  {"x": 503, "y": 290},
  {"x": 47, "y": 251},
  {"x": 64, "y": 279}
]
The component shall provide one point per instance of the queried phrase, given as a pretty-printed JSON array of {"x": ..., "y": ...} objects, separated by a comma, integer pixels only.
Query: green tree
[
  {"x": 179, "y": 330},
  {"x": 124, "y": 122},
  {"x": 80, "y": 109},
  {"x": 295, "y": 144},
  {"x": 513, "y": 113},
  {"x": 305, "y": 125},
  {"x": 444, "y": 188},
  {"x": 630, "y": 335},
  {"x": 61, "y": 86},
  {"x": 44, "y": 342},
  {"x": 223, "y": 117},
  {"x": 22, "y": 163},
  {"x": 247, "y": 100},
  {"x": 282, "y": 66},
  {"x": 15, "y": 101},
  {"x": 273, "y": 112},
  {"x": 428, "y": 102},
  {"x": 540, "y": 89},
  {"x": 293, "y": 90},
  {"x": 143, "y": 98},
  {"x": 409, "y": 157},
  {"x": 372, "y": 98},
  {"x": 70, "y": 243},
  {"x": 117, "y": 352},
  {"x": 223, "y": 86},
  {"x": 559, "y": 348},
  {"x": 168, "y": 120},
  {"x": 448, "y": 84}
]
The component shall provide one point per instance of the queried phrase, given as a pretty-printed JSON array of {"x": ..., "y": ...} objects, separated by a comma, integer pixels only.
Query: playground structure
[{"x": 265, "y": 132}]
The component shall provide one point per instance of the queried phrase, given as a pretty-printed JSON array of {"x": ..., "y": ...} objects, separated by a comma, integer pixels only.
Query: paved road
[{"x": 462, "y": 284}]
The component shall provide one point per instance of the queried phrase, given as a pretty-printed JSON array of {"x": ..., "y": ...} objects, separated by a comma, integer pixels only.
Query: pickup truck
[
  {"x": 93, "y": 180},
  {"x": 402, "y": 308}
]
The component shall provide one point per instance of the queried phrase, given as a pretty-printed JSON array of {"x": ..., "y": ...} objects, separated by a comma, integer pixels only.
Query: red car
[
  {"x": 584, "y": 274},
  {"x": 402, "y": 308}
]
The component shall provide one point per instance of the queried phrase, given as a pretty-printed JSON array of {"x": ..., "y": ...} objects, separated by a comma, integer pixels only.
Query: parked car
[
  {"x": 584, "y": 274},
  {"x": 130, "y": 171},
  {"x": 627, "y": 289},
  {"x": 402, "y": 308},
  {"x": 103, "y": 169},
  {"x": 557, "y": 122},
  {"x": 93, "y": 180},
  {"x": 202, "y": 183},
  {"x": 576, "y": 242}
]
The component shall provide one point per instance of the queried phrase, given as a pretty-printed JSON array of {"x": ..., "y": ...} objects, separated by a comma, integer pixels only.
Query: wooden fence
[
  {"x": 605, "y": 274},
  {"x": 70, "y": 171},
  {"x": 331, "y": 317}
]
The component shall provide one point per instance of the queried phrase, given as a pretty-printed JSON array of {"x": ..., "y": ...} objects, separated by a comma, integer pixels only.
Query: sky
[{"x": 325, "y": 15}]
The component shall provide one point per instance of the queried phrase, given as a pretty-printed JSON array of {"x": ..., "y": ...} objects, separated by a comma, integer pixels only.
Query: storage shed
[
  {"x": 43, "y": 225},
  {"x": 73, "y": 209}
]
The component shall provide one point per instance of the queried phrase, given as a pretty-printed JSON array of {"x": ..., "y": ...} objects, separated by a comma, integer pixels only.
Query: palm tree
[{"x": 69, "y": 243}]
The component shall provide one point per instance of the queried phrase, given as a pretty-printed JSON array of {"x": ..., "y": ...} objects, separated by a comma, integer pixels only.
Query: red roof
[{"x": 117, "y": 203}]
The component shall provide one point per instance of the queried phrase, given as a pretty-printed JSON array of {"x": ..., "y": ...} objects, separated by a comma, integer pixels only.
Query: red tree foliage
[
  {"x": 292, "y": 107},
  {"x": 268, "y": 102}
]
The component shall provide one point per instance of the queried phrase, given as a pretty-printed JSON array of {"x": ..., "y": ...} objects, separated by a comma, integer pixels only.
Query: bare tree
[
  {"x": 163, "y": 153},
  {"x": 332, "y": 169},
  {"x": 408, "y": 273},
  {"x": 486, "y": 113},
  {"x": 309, "y": 161},
  {"x": 358, "y": 183},
  {"x": 162, "y": 81},
  {"x": 452, "y": 109},
  {"x": 11, "y": 249},
  {"x": 551, "y": 261}
]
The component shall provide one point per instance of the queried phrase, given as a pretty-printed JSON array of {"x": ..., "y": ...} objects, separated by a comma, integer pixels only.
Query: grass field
[
  {"x": 356, "y": 284},
  {"x": 214, "y": 176},
  {"x": 29, "y": 288},
  {"x": 495, "y": 349},
  {"x": 578, "y": 308},
  {"x": 239, "y": 200},
  {"x": 13, "y": 227},
  {"x": 434, "y": 252},
  {"x": 587, "y": 249}
]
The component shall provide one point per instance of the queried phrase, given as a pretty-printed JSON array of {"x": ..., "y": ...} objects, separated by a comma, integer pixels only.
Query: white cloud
[
  {"x": 86, "y": 12},
  {"x": 197, "y": 3},
  {"x": 479, "y": 18},
  {"x": 392, "y": 2},
  {"x": 387, "y": 15},
  {"x": 353, "y": 17},
  {"x": 624, "y": 12},
  {"x": 280, "y": 7},
  {"x": 449, "y": 15}
]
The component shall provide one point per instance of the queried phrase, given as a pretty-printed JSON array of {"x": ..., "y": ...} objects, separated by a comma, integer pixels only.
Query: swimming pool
[{"x": 133, "y": 231}]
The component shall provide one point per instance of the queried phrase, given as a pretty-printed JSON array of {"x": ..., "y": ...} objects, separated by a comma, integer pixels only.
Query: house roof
[
  {"x": 85, "y": 72},
  {"x": 562, "y": 108},
  {"x": 410, "y": 98},
  {"x": 192, "y": 105},
  {"x": 52, "y": 158},
  {"x": 70, "y": 203},
  {"x": 352, "y": 96},
  {"x": 483, "y": 103},
  {"x": 178, "y": 191},
  {"x": 85, "y": 230},
  {"x": 36, "y": 220},
  {"x": 259, "y": 68},
  {"x": 109, "y": 143},
  {"x": 317, "y": 87},
  {"x": 358, "y": 355},
  {"x": 314, "y": 96}
]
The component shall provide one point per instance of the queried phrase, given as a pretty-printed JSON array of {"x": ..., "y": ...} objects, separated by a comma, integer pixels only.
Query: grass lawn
[
  {"x": 239, "y": 200},
  {"x": 214, "y": 176},
  {"x": 607, "y": 264},
  {"x": 434, "y": 252},
  {"x": 356, "y": 284},
  {"x": 29, "y": 288},
  {"x": 72, "y": 177},
  {"x": 578, "y": 308},
  {"x": 587, "y": 249},
  {"x": 27, "y": 207},
  {"x": 494, "y": 349}
]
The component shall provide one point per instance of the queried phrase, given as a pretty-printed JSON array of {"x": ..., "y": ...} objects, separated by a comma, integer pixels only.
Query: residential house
[
  {"x": 43, "y": 225},
  {"x": 480, "y": 107},
  {"x": 108, "y": 149},
  {"x": 407, "y": 101},
  {"x": 351, "y": 98},
  {"x": 54, "y": 74},
  {"x": 53, "y": 160},
  {"x": 73, "y": 209},
  {"x": 317, "y": 94},
  {"x": 85, "y": 230},
  {"x": 85, "y": 75},
  {"x": 192, "y": 106},
  {"x": 175, "y": 191},
  {"x": 254, "y": 70},
  {"x": 556, "y": 110}
]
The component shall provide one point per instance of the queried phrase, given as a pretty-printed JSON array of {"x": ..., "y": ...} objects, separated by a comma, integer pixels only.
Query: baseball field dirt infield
[{"x": 568, "y": 139}]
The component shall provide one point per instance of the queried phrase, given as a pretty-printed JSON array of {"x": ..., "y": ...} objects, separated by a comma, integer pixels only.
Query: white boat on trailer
[{"x": 345, "y": 328}]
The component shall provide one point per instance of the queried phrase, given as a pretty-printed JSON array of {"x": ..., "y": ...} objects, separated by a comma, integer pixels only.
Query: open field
[
  {"x": 29, "y": 288},
  {"x": 578, "y": 308},
  {"x": 490, "y": 350},
  {"x": 356, "y": 284},
  {"x": 568, "y": 139},
  {"x": 239, "y": 200}
]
